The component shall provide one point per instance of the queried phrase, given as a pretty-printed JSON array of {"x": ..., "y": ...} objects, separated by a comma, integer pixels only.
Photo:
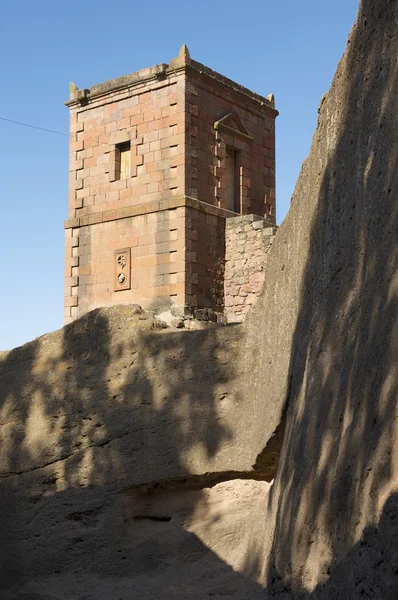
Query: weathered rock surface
[
  {"x": 328, "y": 313},
  {"x": 176, "y": 541},
  {"x": 167, "y": 403},
  {"x": 125, "y": 448},
  {"x": 111, "y": 402}
]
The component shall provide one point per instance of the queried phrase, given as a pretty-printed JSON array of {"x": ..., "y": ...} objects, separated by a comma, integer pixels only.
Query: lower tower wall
[
  {"x": 147, "y": 251},
  {"x": 169, "y": 254}
]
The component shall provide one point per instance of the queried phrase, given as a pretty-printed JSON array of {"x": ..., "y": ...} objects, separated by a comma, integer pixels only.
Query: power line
[
  {"x": 70, "y": 135},
  {"x": 81, "y": 135},
  {"x": 33, "y": 126}
]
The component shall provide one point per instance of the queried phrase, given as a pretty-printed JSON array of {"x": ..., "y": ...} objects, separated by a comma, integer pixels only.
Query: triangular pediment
[{"x": 233, "y": 124}]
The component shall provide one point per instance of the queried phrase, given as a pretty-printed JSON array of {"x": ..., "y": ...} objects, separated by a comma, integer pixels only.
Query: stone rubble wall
[{"x": 248, "y": 240}]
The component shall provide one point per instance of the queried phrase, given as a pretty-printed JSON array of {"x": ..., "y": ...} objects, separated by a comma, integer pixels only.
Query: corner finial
[
  {"x": 183, "y": 58},
  {"x": 184, "y": 51},
  {"x": 72, "y": 89},
  {"x": 271, "y": 99}
]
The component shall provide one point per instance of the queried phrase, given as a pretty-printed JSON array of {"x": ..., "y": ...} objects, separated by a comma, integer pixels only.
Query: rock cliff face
[
  {"x": 137, "y": 462},
  {"x": 329, "y": 338}
]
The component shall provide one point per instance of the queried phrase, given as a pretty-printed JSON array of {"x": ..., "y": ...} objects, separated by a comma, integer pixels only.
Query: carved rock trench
[{"x": 117, "y": 436}]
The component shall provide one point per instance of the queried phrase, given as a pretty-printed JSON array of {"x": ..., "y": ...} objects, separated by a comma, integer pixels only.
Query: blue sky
[{"x": 289, "y": 48}]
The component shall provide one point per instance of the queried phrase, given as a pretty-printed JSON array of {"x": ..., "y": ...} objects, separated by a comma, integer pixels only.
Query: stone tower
[{"x": 159, "y": 159}]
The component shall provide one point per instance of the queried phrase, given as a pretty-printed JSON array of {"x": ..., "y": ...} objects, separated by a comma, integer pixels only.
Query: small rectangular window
[{"x": 123, "y": 161}]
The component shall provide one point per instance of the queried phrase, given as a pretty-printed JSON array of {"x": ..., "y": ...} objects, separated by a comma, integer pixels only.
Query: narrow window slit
[
  {"x": 232, "y": 180},
  {"x": 123, "y": 161}
]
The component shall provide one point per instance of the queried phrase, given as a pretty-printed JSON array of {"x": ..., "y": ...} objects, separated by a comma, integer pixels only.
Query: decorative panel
[{"x": 122, "y": 270}]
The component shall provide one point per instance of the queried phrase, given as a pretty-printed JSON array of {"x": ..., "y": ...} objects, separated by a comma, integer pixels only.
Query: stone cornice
[
  {"x": 183, "y": 62},
  {"x": 142, "y": 209}
]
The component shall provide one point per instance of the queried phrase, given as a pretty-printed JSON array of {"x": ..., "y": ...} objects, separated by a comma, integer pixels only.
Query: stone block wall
[
  {"x": 205, "y": 231},
  {"x": 151, "y": 184},
  {"x": 221, "y": 115},
  {"x": 155, "y": 244},
  {"x": 248, "y": 240},
  {"x": 150, "y": 116},
  {"x": 139, "y": 212}
]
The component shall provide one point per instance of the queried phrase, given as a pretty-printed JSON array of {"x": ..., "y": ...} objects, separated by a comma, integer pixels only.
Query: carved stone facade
[{"x": 158, "y": 160}]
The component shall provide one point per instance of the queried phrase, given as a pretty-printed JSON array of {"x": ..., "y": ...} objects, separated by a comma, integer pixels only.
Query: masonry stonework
[
  {"x": 248, "y": 240},
  {"x": 159, "y": 159}
]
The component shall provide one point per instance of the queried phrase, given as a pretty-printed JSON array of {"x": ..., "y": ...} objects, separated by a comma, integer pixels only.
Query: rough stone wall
[
  {"x": 208, "y": 102},
  {"x": 248, "y": 240}
]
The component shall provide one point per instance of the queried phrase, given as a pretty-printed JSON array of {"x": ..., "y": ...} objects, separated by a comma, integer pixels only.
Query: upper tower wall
[
  {"x": 179, "y": 120},
  {"x": 148, "y": 114},
  {"x": 224, "y": 117}
]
